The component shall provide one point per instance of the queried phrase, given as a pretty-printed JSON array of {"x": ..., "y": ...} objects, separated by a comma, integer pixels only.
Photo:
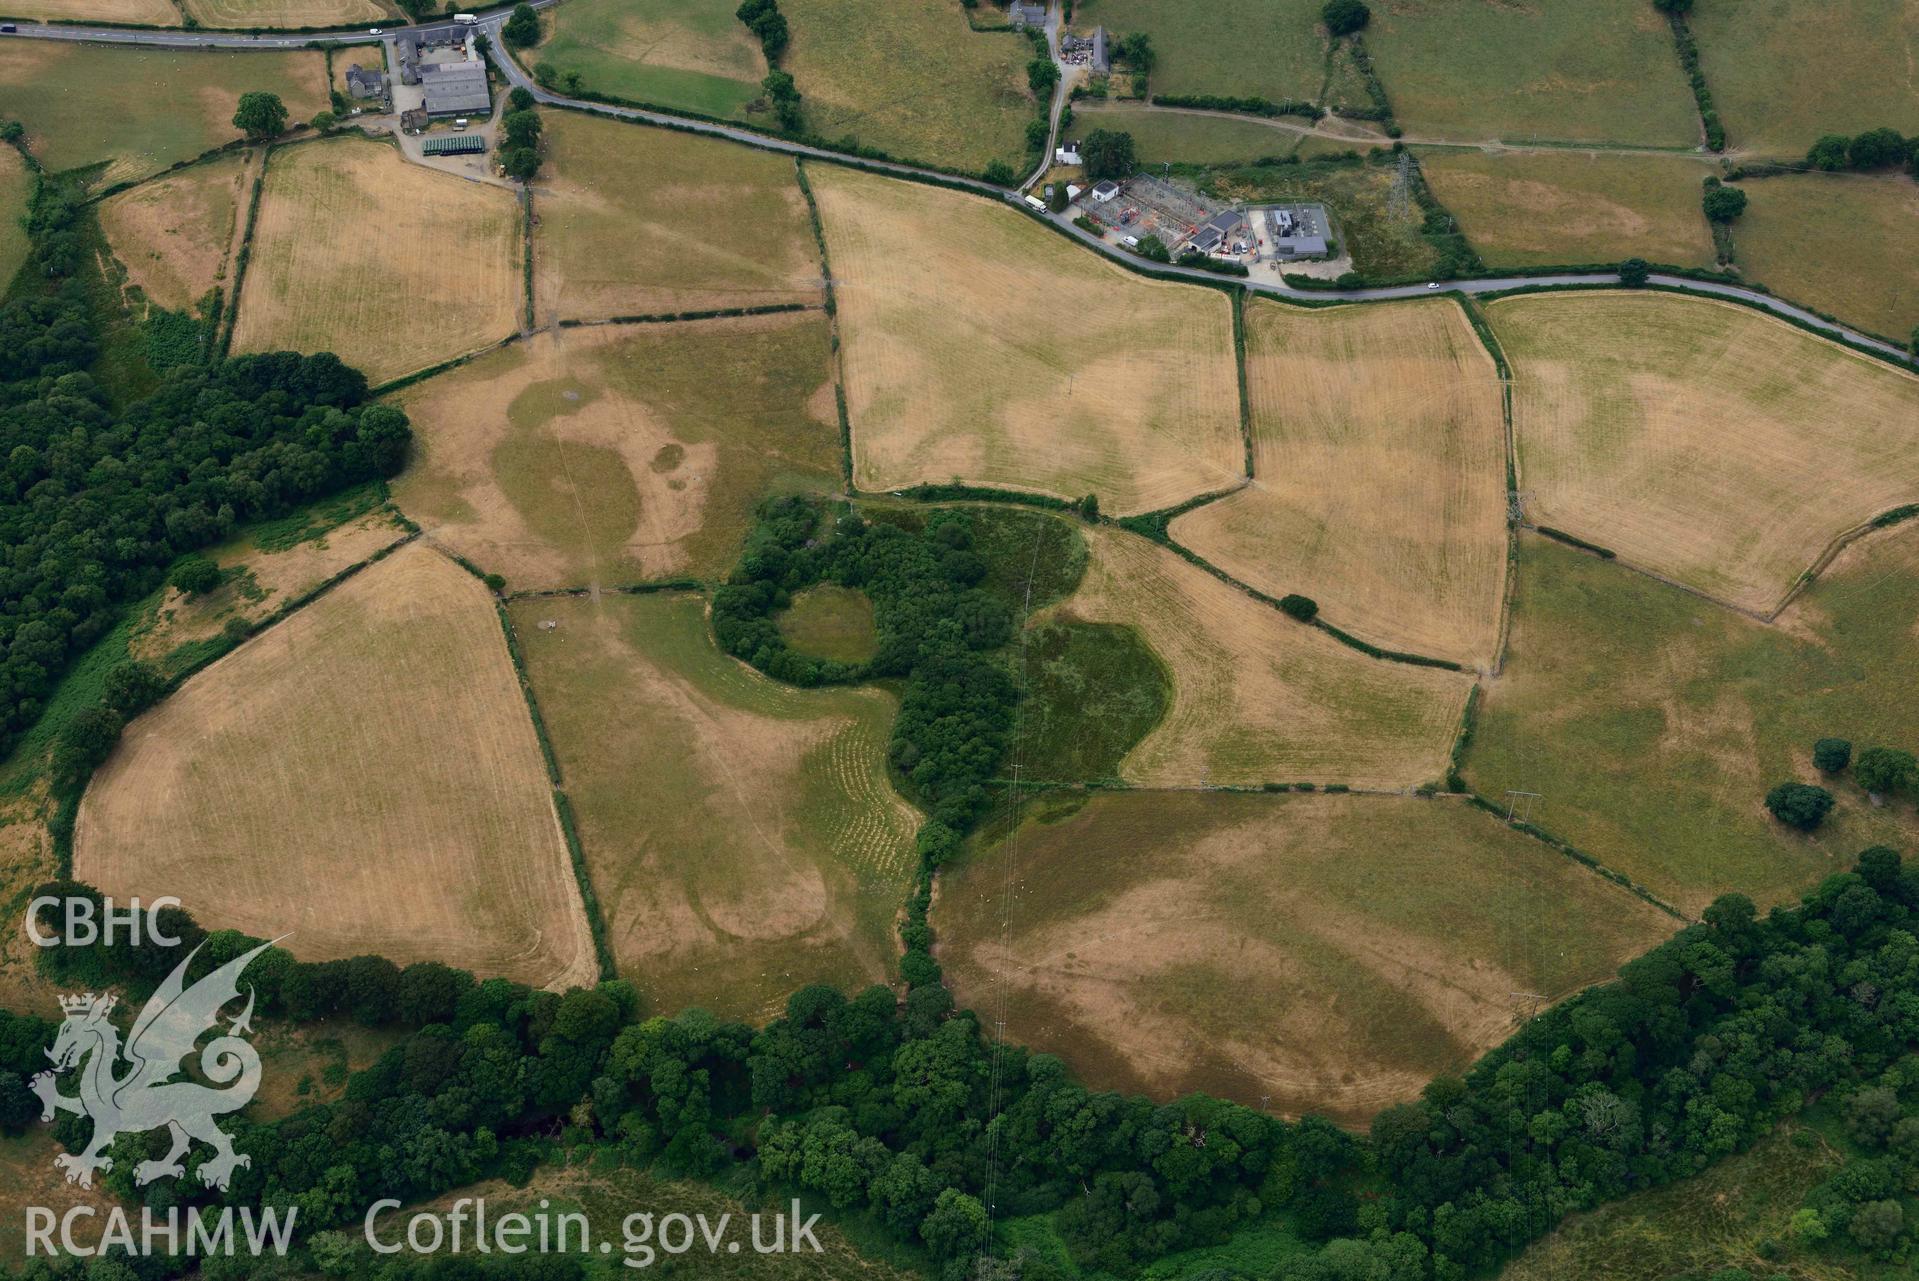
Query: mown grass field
[
  {"x": 1546, "y": 208},
  {"x": 690, "y": 56},
  {"x": 287, "y": 13},
  {"x": 1654, "y": 722},
  {"x": 743, "y": 836},
  {"x": 1383, "y": 242},
  {"x": 1331, "y": 952},
  {"x": 982, "y": 347},
  {"x": 614, "y": 455},
  {"x": 1379, "y": 451},
  {"x": 175, "y": 234},
  {"x": 1702, "y": 440},
  {"x": 635, "y": 221},
  {"x": 152, "y": 13},
  {"x": 1240, "y": 48},
  {"x": 364, "y": 775},
  {"x": 1565, "y": 70},
  {"x": 16, "y": 188},
  {"x": 1182, "y": 138},
  {"x": 920, "y": 85},
  {"x": 831, "y": 622},
  {"x": 1785, "y": 72},
  {"x": 1722, "y": 1218},
  {"x": 1257, "y": 697},
  {"x": 349, "y": 256},
  {"x": 1847, "y": 245},
  {"x": 136, "y": 111}
]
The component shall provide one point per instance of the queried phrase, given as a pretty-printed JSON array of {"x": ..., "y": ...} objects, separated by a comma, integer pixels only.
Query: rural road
[{"x": 491, "y": 21}]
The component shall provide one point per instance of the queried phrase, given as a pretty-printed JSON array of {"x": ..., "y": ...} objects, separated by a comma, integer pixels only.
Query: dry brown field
[
  {"x": 1329, "y": 954},
  {"x": 1379, "y": 485},
  {"x": 286, "y": 13},
  {"x": 638, "y": 222},
  {"x": 175, "y": 234},
  {"x": 1547, "y": 208},
  {"x": 1257, "y": 697},
  {"x": 743, "y": 836},
  {"x": 147, "y": 13},
  {"x": 389, "y": 265},
  {"x": 982, "y": 347},
  {"x": 617, "y": 454},
  {"x": 1702, "y": 440},
  {"x": 363, "y": 776}
]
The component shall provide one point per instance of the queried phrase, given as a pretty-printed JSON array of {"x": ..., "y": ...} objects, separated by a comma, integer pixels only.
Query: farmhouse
[
  {"x": 1023, "y": 15},
  {"x": 455, "y": 88},
  {"x": 365, "y": 82},
  {"x": 1067, "y": 153},
  {"x": 1086, "y": 51}
]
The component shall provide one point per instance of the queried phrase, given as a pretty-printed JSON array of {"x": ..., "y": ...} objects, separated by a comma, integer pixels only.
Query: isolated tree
[
  {"x": 544, "y": 75},
  {"x": 1634, "y": 272},
  {"x": 1343, "y": 17},
  {"x": 195, "y": 574},
  {"x": 132, "y": 687},
  {"x": 261, "y": 116},
  {"x": 1673, "y": 6},
  {"x": 1108, "y": 153},
  {"x": 1831, "y": 755},
  {"x": 1876, "y": 149},
  {"x": 522, "y": 30},
  {"x": 1304, "y": 608},
  {"x": 1042, "y": 74},
  {"x": 1724, "y": 203},
  {"x": 1883, "y": 770},
  {"x": 521, "y": 99},
  {"x": 1056, "y": 198},
  {"x": 522, "y": 128},
  {"x": 1829, "y": 153},
  {"x": 1799, "y": 805}
]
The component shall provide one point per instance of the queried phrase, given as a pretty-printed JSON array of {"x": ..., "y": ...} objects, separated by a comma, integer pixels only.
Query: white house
[{"x": 1067, "y": 153}]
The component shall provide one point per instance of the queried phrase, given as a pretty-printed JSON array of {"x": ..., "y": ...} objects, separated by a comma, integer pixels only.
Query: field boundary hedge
[
  {"x": 833, "y": 323},
  {"x": 680, "y": 317},
  {"x": 1239, "y": 368},
  {"x": 224, "y": 343},
  {"x": 1688, "y": 50},
  {"x": 1483, "y": 330},
  {"x": 1577, "y": 855}
]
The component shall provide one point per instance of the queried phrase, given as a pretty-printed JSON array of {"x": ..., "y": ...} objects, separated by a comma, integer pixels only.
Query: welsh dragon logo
[{"x": 146, "y": 1096}]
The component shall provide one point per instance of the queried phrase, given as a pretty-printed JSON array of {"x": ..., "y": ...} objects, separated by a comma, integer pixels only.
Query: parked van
[{"x": 1037, "y": 204}]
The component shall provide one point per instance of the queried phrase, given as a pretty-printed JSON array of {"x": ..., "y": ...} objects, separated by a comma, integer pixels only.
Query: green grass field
[
  {"x": 1092, "y": 692},
  {"x": 920, "y": 85},
  {"x": 1333, "y": 952},
  {"x": 1784, "y": 72},
  {"x": 1842, "y": 243},
  {"x": 743, "y": 836},
  {"x": 690, "y": 56},
  {"x": 16, "y": 186},
  {"x": 831, "y": 622},
  {"x": 1181, "y": 138},
  {"x": 139, "y": 110},
  {"x": 1578, "y": 70},
  {"x": 1543, "y": 208},
  {"x": 1241, "y": 48},
  {"x": 1381, "y": 242},
  {"x": 1653, "y": 722}
]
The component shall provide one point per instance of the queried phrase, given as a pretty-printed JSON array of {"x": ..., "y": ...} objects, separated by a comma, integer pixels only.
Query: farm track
[{"x": 517, "y": 77}]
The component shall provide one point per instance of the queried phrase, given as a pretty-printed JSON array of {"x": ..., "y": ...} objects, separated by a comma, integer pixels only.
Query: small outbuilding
[{"x": 1105, "y": 191}]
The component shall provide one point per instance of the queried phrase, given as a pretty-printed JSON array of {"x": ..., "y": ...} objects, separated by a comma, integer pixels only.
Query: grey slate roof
[{"x": 455, "y": 87}]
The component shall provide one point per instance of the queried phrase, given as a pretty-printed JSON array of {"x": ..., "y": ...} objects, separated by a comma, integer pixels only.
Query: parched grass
[
  {"x": 1545, "y": 208},
  {"x": 1653, "y": 722},
  {"x": 364, "y": 775},
  {"x": 136, "y": 111},
  {"x": 1242, "y": 48},
  {"x": 1702, "y": 440},
  {"x": 1844, "y": 244},
  {"x": 152, "y": 13},
  {"x": 919, "y": 83},
  {"x": 1180, "y": 137},
  {"x": 1092, "y": 691},
  {"x": 1257, "y": 697},
  {"x": 1331, "y": 952},
  {"x": 286, "y": 13},
  {"x": 1562, "y": 70},
  {"x": 980, "y": 346},
  {"x": 1784, "y": 72},
  {"x": 691, "y": 56},
  {"x": 1380, "y": 483},
  {"x": 636, "y": 221},
  {"x": 349, "y": 256},
  {"x": 16, "y": 187},
  {"x": 612, "y": 455},
  {"x": 1723, "y": 1218},
  {"x": 173, "y": 234},
  {"x": 743, "y": 836},
  {"x": 831, "y": 622}
]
